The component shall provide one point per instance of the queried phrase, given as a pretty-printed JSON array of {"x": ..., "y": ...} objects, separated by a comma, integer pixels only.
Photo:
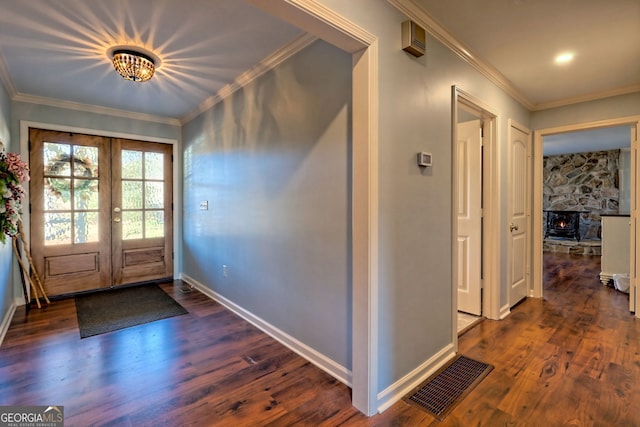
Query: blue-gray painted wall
[
  {"x": 6, "y": 287},
  {"x": 273, "y": 163}
]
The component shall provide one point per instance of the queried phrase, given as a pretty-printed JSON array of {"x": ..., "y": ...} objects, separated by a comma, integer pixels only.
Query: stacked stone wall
[{"x": 586, "y": 182}]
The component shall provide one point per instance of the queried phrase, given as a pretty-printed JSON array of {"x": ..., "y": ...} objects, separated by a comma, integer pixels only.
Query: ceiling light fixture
[
  {"x": 564, "y": 58},
  {"x": 132, "y": 65}
]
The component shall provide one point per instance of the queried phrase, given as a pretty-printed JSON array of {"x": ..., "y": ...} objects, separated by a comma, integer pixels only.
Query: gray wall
[
  {"x": 6, "y": 254},
  {"x": 84, "y": 119},
  {"x": 415, "y": 209},
  {"x": 273, "y": 162},
  {"x": 247, "y": 198}
]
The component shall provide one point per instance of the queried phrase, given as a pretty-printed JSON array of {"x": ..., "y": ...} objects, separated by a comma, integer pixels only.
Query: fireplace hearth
[{"x": 564, "y": 224}]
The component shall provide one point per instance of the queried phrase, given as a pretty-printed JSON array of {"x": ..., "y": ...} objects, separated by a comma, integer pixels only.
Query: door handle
[
  {"x": 116, "y": 210},
  {"x": 513, "y": 227},
  {"x": 116, "y": 219}
]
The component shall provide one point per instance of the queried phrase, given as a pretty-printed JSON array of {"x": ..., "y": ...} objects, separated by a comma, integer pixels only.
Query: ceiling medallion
[{"x": 132, "y": 65}]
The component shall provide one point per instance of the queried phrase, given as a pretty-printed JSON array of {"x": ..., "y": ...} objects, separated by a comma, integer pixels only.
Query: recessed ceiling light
[{"x": 564, "y": 58}]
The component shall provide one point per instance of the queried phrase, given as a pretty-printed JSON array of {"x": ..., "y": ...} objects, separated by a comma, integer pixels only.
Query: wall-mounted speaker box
[{"x": 413, "y": 38}]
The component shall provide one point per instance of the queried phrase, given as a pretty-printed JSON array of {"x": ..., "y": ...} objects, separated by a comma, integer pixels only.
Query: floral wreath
[
  {"x": 13, "y": 172},
  {"x": 57, "y": 185}
]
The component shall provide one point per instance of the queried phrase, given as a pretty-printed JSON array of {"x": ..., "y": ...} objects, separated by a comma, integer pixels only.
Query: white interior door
[
  {"x": 518, "y": 201},
  {"x": 469, "y": 238}
]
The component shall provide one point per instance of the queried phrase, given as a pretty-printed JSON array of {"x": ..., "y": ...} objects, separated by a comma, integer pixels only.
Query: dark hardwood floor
[{"x": 571, "y": 359}]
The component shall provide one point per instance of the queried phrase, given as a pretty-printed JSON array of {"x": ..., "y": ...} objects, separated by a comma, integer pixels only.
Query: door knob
[
  {"x": 513, "y": 227},
  {"x": 116, "y": 219},
  {"x": 116, "y": 210}
]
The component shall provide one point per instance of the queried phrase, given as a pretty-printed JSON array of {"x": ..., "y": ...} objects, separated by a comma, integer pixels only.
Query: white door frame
[
  {"x": 491, "y": 248},
  {"x": 537, "y": 263}
]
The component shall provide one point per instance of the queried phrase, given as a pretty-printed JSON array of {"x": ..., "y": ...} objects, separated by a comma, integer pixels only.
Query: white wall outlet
[
  {"x": 225, "y": 271},
  {"x": 204, "y": 205}
]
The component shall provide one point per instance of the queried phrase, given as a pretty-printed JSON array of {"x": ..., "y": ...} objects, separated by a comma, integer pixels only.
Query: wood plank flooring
[{"x": 570, "y": 359}]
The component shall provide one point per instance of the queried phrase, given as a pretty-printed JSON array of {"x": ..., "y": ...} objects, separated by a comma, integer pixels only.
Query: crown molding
[
  {"x": 416, "y": 13},
  {"x": 6, "y": 79},
  {"x": 589, "y": 97},
  {"x": 70, "y": 105},
  {"x": 319, "y": 20},
  {"x": 267, "y": 64}
]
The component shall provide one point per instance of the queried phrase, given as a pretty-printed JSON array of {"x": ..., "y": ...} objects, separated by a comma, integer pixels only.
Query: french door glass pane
[
  {"x": 85, "y": 161},
  {"x": 131, "y": 194},
  {"x": 132, "y": 225},
  {"x": 131, "y": 164},
  {"x": 57, "y": 195},
  {"x": 154, "y": 195},
  {"x": 86, "y": 227},
  {"x": 57, "y": 159},
  {"x": 154, "y": 224},
  {"x": 85, "y": 194},
  {"x": 71, "y": 193},
  {"x": 57, "y": 228},
  {"x": 154, "y": 166}
]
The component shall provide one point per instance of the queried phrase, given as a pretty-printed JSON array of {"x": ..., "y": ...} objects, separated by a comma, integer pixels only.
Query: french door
[{"x": 101, "y": 211}]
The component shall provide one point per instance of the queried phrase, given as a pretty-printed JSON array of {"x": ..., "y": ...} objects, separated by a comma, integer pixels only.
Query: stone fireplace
[
  {"x": 563, "y": 224},
  {"x": 587, "y": 184}
]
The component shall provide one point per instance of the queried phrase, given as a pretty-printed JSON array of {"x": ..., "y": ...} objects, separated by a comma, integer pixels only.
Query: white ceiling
[
  {"x": 55, "y": 50},
  {"x": 521, "y": 38}
]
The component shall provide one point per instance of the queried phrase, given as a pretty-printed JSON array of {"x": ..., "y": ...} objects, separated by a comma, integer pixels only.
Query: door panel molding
[
  {"x": 469, "y": 217},
  {"x": 519, "y": 212}
]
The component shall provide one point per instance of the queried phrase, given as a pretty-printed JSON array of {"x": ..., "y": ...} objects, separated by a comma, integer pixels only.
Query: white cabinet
[{"x": 615, "y": 246}]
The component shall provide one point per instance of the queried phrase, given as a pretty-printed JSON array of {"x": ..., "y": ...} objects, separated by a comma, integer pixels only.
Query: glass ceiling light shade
[{"x": 134, "y": 66}]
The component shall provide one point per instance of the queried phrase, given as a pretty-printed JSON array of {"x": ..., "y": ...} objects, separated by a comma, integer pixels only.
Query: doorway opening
[
  {"x": 631, "y": 123},
  {"x": 586, "y": 199},
  {"x": 475, "y": 212}
]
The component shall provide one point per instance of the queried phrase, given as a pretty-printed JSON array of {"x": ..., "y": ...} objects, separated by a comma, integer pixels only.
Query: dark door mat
[
  {"x": 441, "y": 392},
  {"x": 116, "y": 309}
]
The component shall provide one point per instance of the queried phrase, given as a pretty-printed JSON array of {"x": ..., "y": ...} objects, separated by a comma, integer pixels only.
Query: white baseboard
[
  {"x": 504, "y": 312},
  {"x": 4, "y": 326},
  {"x": 404, "y": 385},
  {"x": 334, "y": 369}
]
